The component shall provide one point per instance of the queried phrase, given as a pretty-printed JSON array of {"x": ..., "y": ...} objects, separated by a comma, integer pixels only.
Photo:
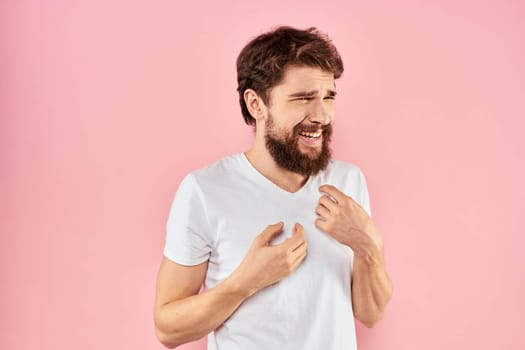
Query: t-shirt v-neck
[{"x": 269, "y": 184}]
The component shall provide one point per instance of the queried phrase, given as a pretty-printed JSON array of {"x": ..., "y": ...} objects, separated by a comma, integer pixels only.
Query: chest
[{"x": 243, "y": 216}]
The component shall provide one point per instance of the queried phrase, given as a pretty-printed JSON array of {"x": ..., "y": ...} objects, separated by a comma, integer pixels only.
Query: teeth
[{"x": 311, "y": 134}]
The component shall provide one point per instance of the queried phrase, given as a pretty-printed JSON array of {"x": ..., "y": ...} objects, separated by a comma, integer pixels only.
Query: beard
[{"x": 285, "y": 149}]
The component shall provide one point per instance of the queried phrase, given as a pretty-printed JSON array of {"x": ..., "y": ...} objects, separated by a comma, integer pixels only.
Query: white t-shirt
[{"x": 217, "y": 213}]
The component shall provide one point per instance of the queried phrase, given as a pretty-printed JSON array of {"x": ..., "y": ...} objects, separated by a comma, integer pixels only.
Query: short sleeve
[
  {"x": 365, "y": 197},
  {"x": 187, "y": 230}
]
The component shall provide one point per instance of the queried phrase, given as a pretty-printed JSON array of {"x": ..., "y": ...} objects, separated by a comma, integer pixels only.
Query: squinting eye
[{"x": 303, "y": 99}]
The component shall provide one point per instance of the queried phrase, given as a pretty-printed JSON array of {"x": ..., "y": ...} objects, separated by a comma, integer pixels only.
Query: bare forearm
[
  {"x": 192, "y": 318},
  {"x": 346, "y": 221},
  {"x": 371, "y": 287}
]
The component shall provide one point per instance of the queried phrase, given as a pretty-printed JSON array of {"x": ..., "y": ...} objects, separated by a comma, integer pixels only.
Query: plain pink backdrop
[{"x": 106, "y": 105}]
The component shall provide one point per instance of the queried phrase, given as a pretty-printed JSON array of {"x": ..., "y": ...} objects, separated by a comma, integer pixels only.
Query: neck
[{"x": 262, "y": 160}]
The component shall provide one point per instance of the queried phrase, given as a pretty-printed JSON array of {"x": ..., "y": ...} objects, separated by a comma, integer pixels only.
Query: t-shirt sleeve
[
  {"x": 188, "y": 235},
  {"x": 365, "y": 198}
]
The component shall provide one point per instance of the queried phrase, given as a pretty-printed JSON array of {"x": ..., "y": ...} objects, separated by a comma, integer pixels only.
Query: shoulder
[
  {"x": 216, "y": 173},
  {"x": 345, "y": 176},
  {"x": 341, "y": 170},
  {"x": 349, "y": 178}
]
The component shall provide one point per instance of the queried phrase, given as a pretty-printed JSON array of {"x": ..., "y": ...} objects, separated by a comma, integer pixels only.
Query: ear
[{"x": 255, "y": 104}]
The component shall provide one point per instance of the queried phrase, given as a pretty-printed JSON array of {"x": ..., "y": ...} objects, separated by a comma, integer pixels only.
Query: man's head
[
  {"x": 287, "y": 89},
  {"x": 262, "y": 62}
]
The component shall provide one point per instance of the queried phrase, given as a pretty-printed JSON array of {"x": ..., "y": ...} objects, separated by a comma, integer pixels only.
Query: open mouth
[
  {"x": 311, "y": 135},
  {"x": 311, "y": 138}
]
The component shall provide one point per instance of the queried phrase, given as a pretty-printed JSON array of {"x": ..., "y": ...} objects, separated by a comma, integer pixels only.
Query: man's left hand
[{"x": 345, "y": 220}]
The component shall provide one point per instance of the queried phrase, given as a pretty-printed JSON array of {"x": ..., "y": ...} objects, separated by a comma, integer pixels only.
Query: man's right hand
[
  {"x": 183, "y": 315},
  {"x": 266, "y": 264}
]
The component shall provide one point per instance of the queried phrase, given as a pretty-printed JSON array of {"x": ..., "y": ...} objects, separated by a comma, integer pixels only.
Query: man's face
[{"x": 298, "y": 126}]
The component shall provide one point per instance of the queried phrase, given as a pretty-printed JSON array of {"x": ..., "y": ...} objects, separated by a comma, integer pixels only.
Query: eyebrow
[{"x": 331, "y": 93}]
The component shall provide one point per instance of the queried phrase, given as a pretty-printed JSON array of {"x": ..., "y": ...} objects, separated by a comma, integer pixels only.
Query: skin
[{"x": 305, "y": 95}]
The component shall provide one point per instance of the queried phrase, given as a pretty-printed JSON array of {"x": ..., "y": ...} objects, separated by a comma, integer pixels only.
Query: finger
[
  {"x": 298, "y": 229},
  {"x": 334, "y": 192},
  {"x": 296, "y": 240},
  {"x": 298, "y": 255},
  {"x": 302, "y": 246},
  {"x": 270, "y": 232},
  {"x": 322, "y": 212},
  {"x": 298, "y": 232},
  {"x": 328, "y": 203},
  {"x": 321, "y": 225}
]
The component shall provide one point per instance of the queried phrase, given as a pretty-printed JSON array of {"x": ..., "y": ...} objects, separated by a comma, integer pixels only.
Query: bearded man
[{"x": 280, "y": 235}]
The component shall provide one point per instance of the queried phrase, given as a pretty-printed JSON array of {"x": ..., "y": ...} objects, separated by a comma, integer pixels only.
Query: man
[{"x": 280, "y": 235}]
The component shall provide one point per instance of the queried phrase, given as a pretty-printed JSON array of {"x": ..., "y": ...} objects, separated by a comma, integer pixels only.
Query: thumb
[{"x": 270, "y": 232}]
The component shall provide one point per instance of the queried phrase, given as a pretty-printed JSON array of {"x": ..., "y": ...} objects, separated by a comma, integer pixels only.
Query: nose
[{"x": 321, "y": 113}]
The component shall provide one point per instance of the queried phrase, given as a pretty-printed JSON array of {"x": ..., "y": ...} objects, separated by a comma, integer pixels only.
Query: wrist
[
  {"x": 369, "y": 251},
  {"x": 235, "y": 284}
]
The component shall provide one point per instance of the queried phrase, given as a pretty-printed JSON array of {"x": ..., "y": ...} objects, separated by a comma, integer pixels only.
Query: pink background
[{"x": 106, "y": 105}]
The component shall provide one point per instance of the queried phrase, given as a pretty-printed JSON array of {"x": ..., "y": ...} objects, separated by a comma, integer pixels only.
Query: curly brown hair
[{"x": 262, "y": 62}]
